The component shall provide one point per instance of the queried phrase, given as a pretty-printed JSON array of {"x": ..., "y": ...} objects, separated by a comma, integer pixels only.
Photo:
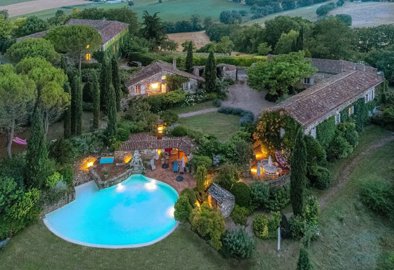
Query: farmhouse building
[
  {"x": 153, "y": 79},
  {"x": 332, "y": 92},
  {"x": 339, "y": 91},
  {"x": 112, "y": 34}
]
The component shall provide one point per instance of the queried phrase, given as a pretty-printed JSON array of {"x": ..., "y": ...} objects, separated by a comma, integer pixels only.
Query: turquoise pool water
[
  {"x": 107, "y": 160},
  {"x": 137, "y": 212}
]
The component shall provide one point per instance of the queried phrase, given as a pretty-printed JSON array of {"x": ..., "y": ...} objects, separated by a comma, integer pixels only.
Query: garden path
[
  {"x": 190, "y": 114},
  {"x": 344, "y": 175},
  {"x": 242, "y": 96}
]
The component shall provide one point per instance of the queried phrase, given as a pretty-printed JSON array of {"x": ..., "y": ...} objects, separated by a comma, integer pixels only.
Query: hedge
[{"x": 247, "y": 117}]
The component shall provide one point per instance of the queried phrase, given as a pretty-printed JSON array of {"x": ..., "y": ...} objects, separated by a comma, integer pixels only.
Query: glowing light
[
  {"x": 87, "y": 46},
  {"x": 197, "y": 204},
  {"x": 259, "y": 156},
  {"x": 120, "y": 187},
  {"x": 163, "y": 77},
  {"x": 88, "y": 57},
  {"x": 87, "y": 163},
  {"x": 253, "y": 170},
  {"x": 154, "y": 86},
  {"x": 170, "y": 211},
  {"x": 90, "y": 164},
  {"x": 151, "y": 185},
  {"x": 127, "y": 158}
]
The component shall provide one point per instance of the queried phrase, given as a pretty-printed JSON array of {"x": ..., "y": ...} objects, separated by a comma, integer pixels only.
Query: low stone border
[
  {"x": 110, "y": 182},
  {"x": 65, "y": 199}
]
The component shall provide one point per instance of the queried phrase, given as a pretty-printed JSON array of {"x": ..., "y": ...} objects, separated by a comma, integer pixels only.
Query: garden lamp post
[{"x": 160, "y": 129}]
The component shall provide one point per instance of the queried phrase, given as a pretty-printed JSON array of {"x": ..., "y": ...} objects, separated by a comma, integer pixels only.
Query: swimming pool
[
  {"x": 137, "y": 212},
  {"x": 107, "y": 160}
]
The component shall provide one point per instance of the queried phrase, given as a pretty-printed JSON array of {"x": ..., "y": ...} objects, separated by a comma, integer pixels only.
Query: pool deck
[{"x": 167, "y": 176}]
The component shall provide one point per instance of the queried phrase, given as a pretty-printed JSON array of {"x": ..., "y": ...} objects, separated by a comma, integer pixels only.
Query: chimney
[{"x": 174, "y": 63}]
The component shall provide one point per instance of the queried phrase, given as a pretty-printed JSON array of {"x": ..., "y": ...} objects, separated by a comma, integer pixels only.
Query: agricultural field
[
  {"x": 10, "y": 2},
  {"x": 19, "y": 7},
  {"x": 364, "y": 14},
  {"x": 170, "y": 10},
  {"x": 368, "y": 14},
  {"x": 200, "y": 39}
]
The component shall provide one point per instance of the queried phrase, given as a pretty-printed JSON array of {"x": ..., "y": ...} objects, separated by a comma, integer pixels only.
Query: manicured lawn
[
  {"x": 10, "y": 2},
  {"x": 218, "y": 124},
  {"x": 196, "y": 107},
  {"x": 351, "y": 236}
]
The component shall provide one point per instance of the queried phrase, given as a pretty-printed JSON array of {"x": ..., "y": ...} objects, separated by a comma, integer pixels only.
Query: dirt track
[{"x": 38, "y": 5}]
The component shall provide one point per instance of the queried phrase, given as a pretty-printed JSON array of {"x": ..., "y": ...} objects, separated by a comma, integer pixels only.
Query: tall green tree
[
  {"x": 37, "y": 153},
  {"x": 153, "y": 29},
  {"x": 112, "y": 117},
  {"x": 105, "y": 83},
  {"x": 33, "y": 47},
  {"x": 76, "y": 106},
  {"x": 75, "y": 40},
  {"x": 286, "y": 42},
  {"x": 201, "y": 178},
  {"x": 298, "y": 174},
  {"x": 210, "y": 73},
  {"x": 49, "y": 82},
  {"x": 31, "y": 25},
  {"x": 95, "y": 90},
  {"x": 16, "y": 94},
  {"x": 324, "y": 32},
  {"x": 189, "y": 57},
  {"x": 279, "y": 74},
  {"x": 303, "y": 261},
  {"x": 116, "y": 82},
  {"x": 67, "y": 114}
]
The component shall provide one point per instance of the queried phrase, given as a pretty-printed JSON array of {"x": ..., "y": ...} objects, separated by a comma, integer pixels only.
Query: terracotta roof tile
[{"x": 159, "y": 66}]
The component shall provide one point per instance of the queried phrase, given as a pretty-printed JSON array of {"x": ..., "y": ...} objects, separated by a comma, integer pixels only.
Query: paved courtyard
[{"x": 242, "y": 96}]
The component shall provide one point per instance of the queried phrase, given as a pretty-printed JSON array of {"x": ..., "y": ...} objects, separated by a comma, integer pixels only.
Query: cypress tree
[
  {"x": 67, "y": 115},
  {"x": 116, "y": 82},
  {"x": 210, "y": 73},
  {"x": 76, "y": 106},
  {"x": 105, "y": 82},
  {"x": 111, "y": 127},
  {"x": 189, "y": 57},
  {"x": 300, "y": 40},
  {"x": 37, "y": 153},
  {"x": 298, "y": 174},
  {"x": 303, "y": 261},
  {"x": 95, "y": 90}
]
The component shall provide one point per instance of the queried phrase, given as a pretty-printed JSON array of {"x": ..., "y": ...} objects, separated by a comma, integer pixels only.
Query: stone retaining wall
[
  {"x": 110, "y": 182},
  {"x": 65, "y": 199}
]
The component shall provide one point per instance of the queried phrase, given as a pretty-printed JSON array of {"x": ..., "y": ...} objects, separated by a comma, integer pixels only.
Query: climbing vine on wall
[
  {"x": 326, "y": 131},
  {"x": 268, "y": 130}
]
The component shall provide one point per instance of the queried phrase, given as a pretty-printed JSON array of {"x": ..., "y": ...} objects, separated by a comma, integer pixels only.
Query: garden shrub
[
  {"x": 183, "y": 208},
  {"x": 349, "y": 132},
  {"x": 266, "y": 227},
  {"x": 169, "y": 100},
  {"x": 306, "y": 225},
  {"x": 303, "y": 262},
  {"x": 316, "y": 152},
  {"x": 190, "y": 194},
  {"x": 326, "y": 131},
  {"x": 259, "y": 192},
  {"x": 241, "y": 192},
  {"x": 201, "y": 161},
  {"x": 247, "y": 117},
  {"x": 378, "y": 196},
  {"x": 237, "y": 244},
  {"x": 14, "y": 168},
  {"x": 217, "y": 102},
  {"x": 319, "y": 177},
  {"x": 53, "y": 180},
  {"x": 239, "y": 149},
  {"x": 68, "y": 174},
  {"x": 122, "y": 134},
  {"x": 209, "y": 224},
  {"x": 240, "y": 215},
  {"x": 227, "y": 176},
  {"x": 260, "y": 226},
  {"x": 339, "y": 148},
  {"x": 279, "y": 198},
  {"x": 18, "y": 208},
  {"x": 179, "y": 131},
  {"x": 169, "y": 117},
  {"x": 62, "y": 151}
]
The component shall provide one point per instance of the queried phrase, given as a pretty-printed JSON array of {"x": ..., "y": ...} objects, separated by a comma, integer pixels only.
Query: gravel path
[
  {"x": 190, "y": 114},
  {"x": 242, "y": 96}
]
